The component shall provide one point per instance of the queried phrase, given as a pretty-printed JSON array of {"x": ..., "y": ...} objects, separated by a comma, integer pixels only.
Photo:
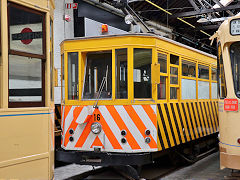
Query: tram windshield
[
  {"x": 235, "y": 62},
  {"x": 99, "y": 66}
]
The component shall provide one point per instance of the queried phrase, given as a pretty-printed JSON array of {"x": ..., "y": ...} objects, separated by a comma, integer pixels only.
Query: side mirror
[{"x": 155, "y": 73}]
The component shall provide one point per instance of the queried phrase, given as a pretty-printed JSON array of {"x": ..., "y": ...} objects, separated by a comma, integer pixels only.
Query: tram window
[
  {"x": 203, "y": 90},
  {"x": 214, "y": 74},
  {"x": 142, "y": 73},
  {"x": 188, "y": 68},
  {"x": 162, "y": 60},
  {"x": 121, "y": 74},
  {"x": 222, "y": 90},
  {"x": 162, "y": 88},
  {"x": 173, "y": 92},
  {"x": 73, "y": 75},
  {"x": 173, "y": 75},
  {"x": 25, "y": 30},
  {"x": 203, "y": 72},
  {"x": 188, "y": 88},
  {"x": 235, "y": 62},
  {"x": 51, "y": 60},
  {"x": 174, "y": 59},
  {"x": 25, "y": 86},
  {"x": 99, "y": 66},
  {"x": 27, "y": 50}
]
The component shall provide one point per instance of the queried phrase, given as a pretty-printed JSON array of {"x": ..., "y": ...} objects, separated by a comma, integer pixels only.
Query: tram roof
[{"x": 141, "y": 35}]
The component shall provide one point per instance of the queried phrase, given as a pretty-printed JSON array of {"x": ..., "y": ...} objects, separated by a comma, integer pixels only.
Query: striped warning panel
[
  {"x": 134, "y": 119},
  {"x": 185, "y": 121},
  {"x": 58, "y": 120}
]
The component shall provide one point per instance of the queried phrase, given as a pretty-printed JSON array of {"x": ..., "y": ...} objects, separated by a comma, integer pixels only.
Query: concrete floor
[{"x": 205, "y": 169}]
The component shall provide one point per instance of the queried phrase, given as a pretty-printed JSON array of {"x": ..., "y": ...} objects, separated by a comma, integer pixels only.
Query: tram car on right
[{"x": 228, "y": 42}]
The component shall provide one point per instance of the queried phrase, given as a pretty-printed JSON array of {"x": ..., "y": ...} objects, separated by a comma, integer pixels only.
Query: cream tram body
[
  {"x": 228, "y": 72},
  {"x": 158, "y": 94},
  {"x": 26, "y": 93}
]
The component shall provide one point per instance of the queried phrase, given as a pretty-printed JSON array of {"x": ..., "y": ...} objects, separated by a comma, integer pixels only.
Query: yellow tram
[
  {"x": 228, "y": 37},
  {"x": 26, "y": 93},
  {"x": 127, "y": 98}
]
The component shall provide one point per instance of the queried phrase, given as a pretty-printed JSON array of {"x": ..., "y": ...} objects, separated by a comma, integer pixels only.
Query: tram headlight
[{"x": 96, "y": 128}]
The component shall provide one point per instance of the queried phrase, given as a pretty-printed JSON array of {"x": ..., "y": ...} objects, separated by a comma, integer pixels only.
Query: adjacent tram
[
  {"x": 128, "y": 98},
  {"x": 228, "y": 37},
  {"x": 26, "y": 93}
]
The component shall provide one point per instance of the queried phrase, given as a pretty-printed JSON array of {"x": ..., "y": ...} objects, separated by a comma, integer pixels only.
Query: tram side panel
[
  {"x": 21, "y": 141},
  {"x": 170, "y": 124}
]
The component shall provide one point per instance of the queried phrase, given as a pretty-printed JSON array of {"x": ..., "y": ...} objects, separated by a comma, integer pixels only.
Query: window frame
[{"x": 31, "y": 55}]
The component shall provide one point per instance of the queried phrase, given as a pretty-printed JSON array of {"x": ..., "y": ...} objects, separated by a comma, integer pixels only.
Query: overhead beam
[
  {"x": 208, "y": 27},
  {"x": 205, "y": 11},
  {"x": 220, "y": 4},
  {"x": 193, "y": 4}
]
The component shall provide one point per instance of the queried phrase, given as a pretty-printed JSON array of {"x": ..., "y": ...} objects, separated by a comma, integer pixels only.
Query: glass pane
[
  {"x": 121, "y": 74},
  {"x": 188, "y": 89},
  {"x": 73, "y": 75},
  {"x": 203, "y": 90},
  {"x": 99, "y": 66},
  {"x": 25, "y": 79},
  {"x": 203, "y": 72},
  {"x": 188, "y": 68},
  {"x": 221, "y": 75},
  {"x": 142, "y": 73},
  {"x": 173, "y": 93},
  {"x": 173, "y": 75},
  {"x": 162, "y": 60},
  {"x": 235, "y": 54},
  {"x": 174, "y": 59},
  {"x": 162, "y": 88},
  {"x": 214, "y": 74},
  {"x": 26, "y": 32}
]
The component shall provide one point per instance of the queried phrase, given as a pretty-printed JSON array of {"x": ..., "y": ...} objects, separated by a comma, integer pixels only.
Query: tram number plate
[{"x": 230, "y": 104}]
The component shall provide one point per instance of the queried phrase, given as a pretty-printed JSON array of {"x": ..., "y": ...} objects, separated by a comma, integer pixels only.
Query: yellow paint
[
  {"x": 167, "y": 125},
  {"x": 189, "y": 121},
  {"x": 160, "y": 125},
  {"x": 198, "y": 122},
  {"x": 193, "y": 120},
  {"x": 173, "y": 123},
  {"x": 179, "y": 123}
]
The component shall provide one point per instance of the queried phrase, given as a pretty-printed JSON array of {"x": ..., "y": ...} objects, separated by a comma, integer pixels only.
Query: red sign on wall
[
  {"x": 230, "y": 104},
  {"x": 71, "y": 5}
]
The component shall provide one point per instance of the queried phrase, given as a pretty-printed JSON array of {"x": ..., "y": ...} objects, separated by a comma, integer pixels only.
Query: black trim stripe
[
  {"x": 200, "y": 120},
  {"x": 207, "y": 116},
  {"x": 211, "y": 117},
  {"x": 216, "y": 110},
  {"x": 170, "y": 124},
  {"x": 191, "y": 121},
  {"x": 195, "y": 118},
  {"x": 160, "y": 137},
  {"x": 204, "y": 119},
  {"x": 181, "y": 120},
  {"x": 214, "y": 115},
  {"x": 185, "y": 118},
  {"x": 176, "y": 123},
  {"x": 164, "y": 125}
]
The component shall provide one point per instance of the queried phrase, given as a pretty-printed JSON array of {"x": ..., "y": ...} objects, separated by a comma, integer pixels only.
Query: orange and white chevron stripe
[{"x": 134, "y": 119}]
